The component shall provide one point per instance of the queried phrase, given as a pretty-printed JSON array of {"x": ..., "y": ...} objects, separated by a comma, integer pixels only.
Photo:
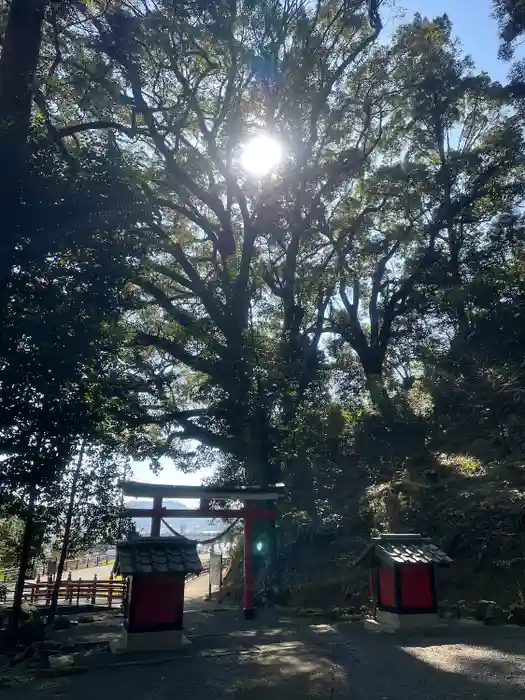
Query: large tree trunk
[
  {"x": 18, "y": 65},
  {"x": 67, "y": 535},
  {"x": 25, "y": 553},
  {"x": 378, "y": 394}
]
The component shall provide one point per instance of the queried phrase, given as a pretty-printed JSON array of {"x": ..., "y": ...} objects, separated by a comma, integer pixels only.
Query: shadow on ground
[{"x": 281, "y": 658}]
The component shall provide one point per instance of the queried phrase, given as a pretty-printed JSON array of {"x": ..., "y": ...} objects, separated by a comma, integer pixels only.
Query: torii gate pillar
[{"x": 248, "y": 606}]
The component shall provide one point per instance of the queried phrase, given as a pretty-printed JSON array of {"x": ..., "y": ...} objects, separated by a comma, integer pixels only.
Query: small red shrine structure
[
  {"x": 156, "y": 570},
  {"x": 255, "y": 502},
  {"x": 402, "y": 581}
]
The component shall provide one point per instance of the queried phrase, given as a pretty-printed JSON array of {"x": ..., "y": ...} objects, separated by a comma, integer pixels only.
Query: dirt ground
[{"x": 281, "y": 658}]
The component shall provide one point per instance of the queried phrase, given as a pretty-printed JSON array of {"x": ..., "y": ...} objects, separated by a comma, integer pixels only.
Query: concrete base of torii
[
  {"x": 392, "y": 622},
  {"x": 170, "y": 640}
]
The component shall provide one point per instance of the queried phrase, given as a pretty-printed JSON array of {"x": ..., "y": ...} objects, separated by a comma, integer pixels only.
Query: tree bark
[
  {"x": 18, "y": 65},
  {"x": 67, "y": 535},
  {"x": 24, "y": 561},
  {"x": 379, "y": 396}
]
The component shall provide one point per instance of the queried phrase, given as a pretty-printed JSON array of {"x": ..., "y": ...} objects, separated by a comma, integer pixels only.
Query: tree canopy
[{"x": 510, "y": 15}]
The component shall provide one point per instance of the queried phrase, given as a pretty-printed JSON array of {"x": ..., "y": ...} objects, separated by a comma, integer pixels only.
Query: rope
[
  {"x": 224, "y": 532},
  {"x": 210, "y": 541}
]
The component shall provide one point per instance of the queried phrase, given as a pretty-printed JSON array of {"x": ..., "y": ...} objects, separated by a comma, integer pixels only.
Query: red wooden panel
[
  {"x": 416, "y": 590},
  {"x": 387, "y": 588},
  {"x": 156, "y": 599}
]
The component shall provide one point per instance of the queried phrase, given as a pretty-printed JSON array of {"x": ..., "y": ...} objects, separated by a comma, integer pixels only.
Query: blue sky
[{"x": 478, "y": 34}]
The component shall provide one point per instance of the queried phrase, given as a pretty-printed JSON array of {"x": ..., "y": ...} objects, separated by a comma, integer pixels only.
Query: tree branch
[
  {"x": 207, "y": 437},
  {"x": 213, "y": 307},
  {"x": 356, "y": 337},
  {"x": 178, "y": 352},
  {"x": 231, "y": 182},
  {"x": 39, "y": 100},
  {"x": 175, "y": 416},
  {"x": 97, "y": 125},
  {"x": 132, "y": 73},
  {"x": 376, "y": 286},
  {"x": 195, "y": 217},
  {"x": 182, "y": 317}
]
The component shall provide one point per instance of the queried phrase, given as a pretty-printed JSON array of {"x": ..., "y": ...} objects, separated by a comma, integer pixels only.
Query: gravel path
[{"x": 291, "y": 660}]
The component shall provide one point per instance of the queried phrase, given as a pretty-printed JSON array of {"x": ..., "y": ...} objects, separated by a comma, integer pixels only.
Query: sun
[{"x": 261, "y": 154}]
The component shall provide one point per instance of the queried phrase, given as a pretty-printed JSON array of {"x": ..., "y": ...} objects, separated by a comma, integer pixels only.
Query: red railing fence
[{"x": 76, "y": 592}]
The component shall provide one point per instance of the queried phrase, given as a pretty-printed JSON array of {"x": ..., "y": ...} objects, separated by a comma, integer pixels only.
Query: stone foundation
[
  {"x": 149, "y": 641},
  {"x": 392, "y": 622}
]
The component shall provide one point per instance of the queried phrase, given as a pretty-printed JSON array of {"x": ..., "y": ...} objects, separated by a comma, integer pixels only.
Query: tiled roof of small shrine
[
  {"x": 148, "y": 555},
  {"x": 414, "y": 553},
  {"x": 404, "y": 549}
]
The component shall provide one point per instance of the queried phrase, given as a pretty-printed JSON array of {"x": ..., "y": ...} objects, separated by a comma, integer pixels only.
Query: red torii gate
[{"x": 249, "y": 496}]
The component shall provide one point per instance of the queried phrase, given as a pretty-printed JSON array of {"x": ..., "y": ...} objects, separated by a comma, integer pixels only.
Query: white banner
[{"x": 215, "y": 569}]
